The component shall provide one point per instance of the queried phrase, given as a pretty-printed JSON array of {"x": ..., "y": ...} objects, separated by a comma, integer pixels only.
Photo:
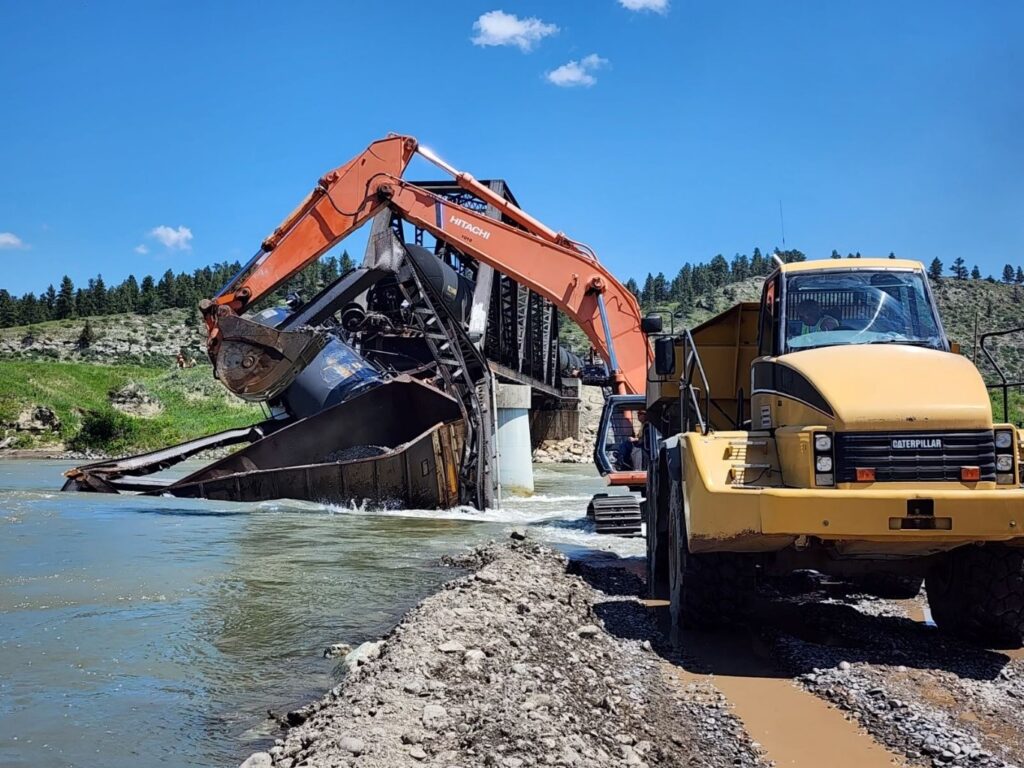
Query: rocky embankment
[
  {"x": 532, "y": 660},
  {"x": 573, "y": 450},
  {"x": 512, "y": 666},
  {"x": 124, "y": 338}
]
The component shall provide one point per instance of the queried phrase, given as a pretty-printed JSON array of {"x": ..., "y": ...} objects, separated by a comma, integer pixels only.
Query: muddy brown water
[{"x": 794, "y": 728}]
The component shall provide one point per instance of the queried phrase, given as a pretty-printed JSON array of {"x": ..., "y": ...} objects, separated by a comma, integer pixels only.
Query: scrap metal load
[{"x": 377, "y": 389}]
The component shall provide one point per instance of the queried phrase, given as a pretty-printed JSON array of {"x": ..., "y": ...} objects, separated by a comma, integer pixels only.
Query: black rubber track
[
  {"x": 977, "y": 593},
  {"x": 707, "y": 590}
]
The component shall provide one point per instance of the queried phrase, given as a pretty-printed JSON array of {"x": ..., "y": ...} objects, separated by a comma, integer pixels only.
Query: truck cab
[{"x": 832, "y": 427}]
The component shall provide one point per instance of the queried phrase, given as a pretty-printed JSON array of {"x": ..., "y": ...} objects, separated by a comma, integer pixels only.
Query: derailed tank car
[{"x": 395, "y": 445}]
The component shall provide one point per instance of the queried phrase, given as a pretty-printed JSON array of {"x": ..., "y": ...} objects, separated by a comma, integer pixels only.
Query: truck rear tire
[
  {"x": 977, "y": 593},
  {"x": 708, "y": 590}
]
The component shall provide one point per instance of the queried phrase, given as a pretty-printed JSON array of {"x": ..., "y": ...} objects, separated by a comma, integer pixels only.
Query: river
[{"x": 145, "y": 631}]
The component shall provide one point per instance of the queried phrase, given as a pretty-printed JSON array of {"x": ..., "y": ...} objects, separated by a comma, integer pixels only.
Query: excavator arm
[{"x": 256, "y": 363}]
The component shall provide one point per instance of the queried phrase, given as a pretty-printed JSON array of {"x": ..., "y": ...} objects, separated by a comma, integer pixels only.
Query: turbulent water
[{"x": 138, "y": 632}]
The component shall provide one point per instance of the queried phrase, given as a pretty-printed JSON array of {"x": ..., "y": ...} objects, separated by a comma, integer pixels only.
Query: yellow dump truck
[{"x": 832, "y": 427}]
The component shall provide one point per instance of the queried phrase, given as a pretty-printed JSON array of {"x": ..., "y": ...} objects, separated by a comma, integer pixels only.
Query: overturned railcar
[{"x": 398, "y": 445}]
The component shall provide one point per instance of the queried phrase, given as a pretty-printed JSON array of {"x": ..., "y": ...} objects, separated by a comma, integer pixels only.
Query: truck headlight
[
  {"x": 1004, "y": 439},
  {"x": 1004, "y": 463},
  {"x": 823, "y": 443},
  {"x": 823, "y": 463}
]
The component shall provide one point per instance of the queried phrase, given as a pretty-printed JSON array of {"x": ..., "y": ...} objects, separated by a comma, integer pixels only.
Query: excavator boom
[{"x": 257, "y": 363}]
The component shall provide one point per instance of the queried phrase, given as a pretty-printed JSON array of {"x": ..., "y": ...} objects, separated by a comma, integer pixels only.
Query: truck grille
[{"x": 904, "y": 457}]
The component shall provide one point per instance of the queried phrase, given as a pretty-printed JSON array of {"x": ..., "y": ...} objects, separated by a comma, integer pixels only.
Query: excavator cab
[
  {"x": 617, "y": 451},
  {"x": 620, "y": 455}
]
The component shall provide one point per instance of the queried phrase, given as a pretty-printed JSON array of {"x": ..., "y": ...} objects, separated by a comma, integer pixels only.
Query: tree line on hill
[
  {"x": 183, "y": 290},
  {"x": 695, "y": 280}
]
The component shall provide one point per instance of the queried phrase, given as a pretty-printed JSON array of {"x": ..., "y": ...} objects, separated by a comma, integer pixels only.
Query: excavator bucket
[{"x": 257, "y": 363}]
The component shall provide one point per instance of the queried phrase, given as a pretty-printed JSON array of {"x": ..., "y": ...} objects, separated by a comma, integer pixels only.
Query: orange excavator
[
  {"x": 286, "y": 361},
  {"x": 257, "y": 363}
]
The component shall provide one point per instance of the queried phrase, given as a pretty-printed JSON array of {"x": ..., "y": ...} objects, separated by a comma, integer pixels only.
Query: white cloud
[
  {"x": 658, "y": 6},
  {"x": 500, "y": 28},
  {"x": 141, "y": 249},
  {"x": 9, "y": 240},
  {"x": 177, "y": 239},
  {"x": 577, "y": 73}
]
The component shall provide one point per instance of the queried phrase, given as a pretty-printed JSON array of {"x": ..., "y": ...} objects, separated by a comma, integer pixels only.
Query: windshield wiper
[{"x": 907, "y": 342}]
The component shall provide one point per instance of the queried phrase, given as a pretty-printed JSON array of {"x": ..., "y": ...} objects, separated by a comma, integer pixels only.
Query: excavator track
[{"x": 615, "y": 515}]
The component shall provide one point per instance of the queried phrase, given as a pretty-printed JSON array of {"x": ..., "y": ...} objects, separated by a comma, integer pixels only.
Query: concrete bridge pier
[{"x": 515, "y": 452}]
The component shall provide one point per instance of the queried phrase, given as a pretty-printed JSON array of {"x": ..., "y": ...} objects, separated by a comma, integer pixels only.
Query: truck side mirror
[
  {"x": 665, "y": 356},
  {"x": 651, "y": 324}
]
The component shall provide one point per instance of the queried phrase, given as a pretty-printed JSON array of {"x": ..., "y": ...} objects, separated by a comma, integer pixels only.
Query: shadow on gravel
[
  {"x": 785, "y": 636},
  {"x": 611, "y": 574}
]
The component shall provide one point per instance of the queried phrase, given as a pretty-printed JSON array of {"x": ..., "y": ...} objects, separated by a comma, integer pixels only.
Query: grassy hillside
[{"x": 115, "y": 409}]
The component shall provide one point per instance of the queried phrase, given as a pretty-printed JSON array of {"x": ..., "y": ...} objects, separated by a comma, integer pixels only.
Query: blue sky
[{"x": 656, "y": 136}]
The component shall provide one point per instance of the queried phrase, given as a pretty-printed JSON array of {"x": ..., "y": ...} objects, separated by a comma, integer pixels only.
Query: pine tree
[
  {"x": 87, "y": 336},
  {"x": 740, "y": 267},
  {"x": 32, "y": 310},
  {"x": 83, "y": 300},
  {"x": 99, "y": 295},
  {"x": 50, "y": 300},
  {"x": 149, "y": 298},
  {"x": 975, "y": 273},
  {"x": 1008, "y": 273},
  {"x": 836, "y": 254},
  {"x": 64, "y": 305},
  {"x": 633, "y": 288},
  {"x": 935, "y": 270},
  {"x": 8, "y": 309},
  {"x": 347, "y": 264},
  {"x": 660, "y": 287},
  {"x": 1019, "y": 277},
  {"x": 647, "y": 294},
  {"x": 130, "y": 293},
  {"x": 329, "y": 270},
  {"x": 165, "y": 288},
  {"x": 959, "y": 269}
]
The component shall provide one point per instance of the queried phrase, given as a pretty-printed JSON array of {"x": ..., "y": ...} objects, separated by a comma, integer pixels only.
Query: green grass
[
  {"x": 1016, "y": 407},
  {"x": 194, "y": 404}
]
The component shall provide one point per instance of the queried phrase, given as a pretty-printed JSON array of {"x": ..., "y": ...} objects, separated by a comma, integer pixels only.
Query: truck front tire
[
  {"x": 707, "y": 590},
  {"x": 977, "y": 593},
  {"x": 658, "y": 479}
]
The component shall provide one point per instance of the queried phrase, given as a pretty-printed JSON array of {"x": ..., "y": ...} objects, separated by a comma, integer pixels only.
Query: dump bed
[{"x": 727, "y": 345}]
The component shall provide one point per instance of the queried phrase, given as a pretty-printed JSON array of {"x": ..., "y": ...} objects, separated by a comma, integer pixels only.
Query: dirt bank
[{"x": 511, "y": 667}]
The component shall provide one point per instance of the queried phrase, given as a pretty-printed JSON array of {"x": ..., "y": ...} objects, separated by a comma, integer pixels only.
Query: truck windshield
[{"x": 859, "y": 306}]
